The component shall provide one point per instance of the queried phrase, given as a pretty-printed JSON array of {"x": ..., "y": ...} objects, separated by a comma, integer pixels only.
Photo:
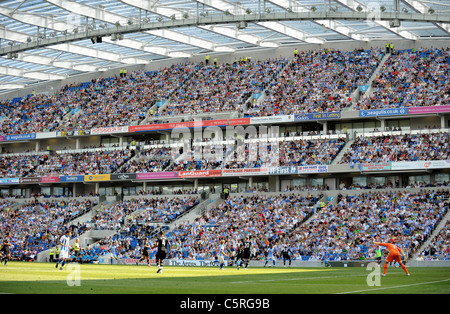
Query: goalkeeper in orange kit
[{"x": 395, "y": 254}]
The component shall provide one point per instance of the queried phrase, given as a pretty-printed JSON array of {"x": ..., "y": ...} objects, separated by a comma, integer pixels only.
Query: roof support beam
[
  {"x": 423, "y": 8},
  {"x": 354, "y": 5},
  {"x": 64, "y": 47},
  {"x": 278, "y": 27},
  {"x": 109, "y": 17},
  {"x": 333, "y": 25},
  {"x": 35, "y": 75},
  {"x": 150, "y": 6},
  {"x": 334, "y": 17}
]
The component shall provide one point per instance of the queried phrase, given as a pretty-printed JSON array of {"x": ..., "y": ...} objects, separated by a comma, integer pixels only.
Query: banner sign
[
  {"x": 383, "y": 112},
  {"x": 434, "y": 164},
  {"x": 245, "y": 171},
  {"x": 199, "y": 173},
  {"x": 317, "y": 116},
  {"x": 363, "y": 88},
  {"x": 97, "y": 177},
  {"x": 192, "y": 262},
  {"x": 110, "y": 130},
  {"x": 239, "y": 121},
  {"x": 174, "y": 125},
  {"x": 34, "y": 180},
  {"x": 283, "y": 170},
  {"x": 375, "y": 167},
  {"x": 19, "y": 137},
  {"x": 48, "y": 179},
  {"x": 123, "y": 176},
  {"x": 313, "y": 169},
  {"x": 272, "y": 119},
  {"x": 9, "y": 180},
  {"x": 156, "y": 175},
  {"x": 79, "y": 178},
  {"x": 429, "y": 109}
]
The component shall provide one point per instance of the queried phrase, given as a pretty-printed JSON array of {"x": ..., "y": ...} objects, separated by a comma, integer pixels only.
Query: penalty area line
[{"x": 394, "y": 287}]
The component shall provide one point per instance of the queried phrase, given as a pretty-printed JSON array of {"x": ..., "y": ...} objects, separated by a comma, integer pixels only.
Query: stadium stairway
[
  {"x": 211, "y": 201},
  {"x": 441, "y": 224},
  {"x": 342, "y": 152},
  {"x": 86, "y": 237},
  {"x": 356, "y": 95}
]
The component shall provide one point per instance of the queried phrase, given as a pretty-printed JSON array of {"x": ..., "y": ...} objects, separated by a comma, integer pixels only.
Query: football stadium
[{"x": 222, "y": 147}]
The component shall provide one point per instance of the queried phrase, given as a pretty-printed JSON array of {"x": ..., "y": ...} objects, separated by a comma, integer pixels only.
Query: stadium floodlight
[
  {"x": 313, "y": 9},
  {"x": 227, "y": 12},
  {"x": 267, "y": 10},
  {"x": 431, "y": 10},
  {"x": 382, "y": 8},
  {"x": 29, "y": 39},
  {"x": 359, "y": 8},
  {"x": 248, "y": 11},
  {"x": 172, "y": 17},
  {"x": 405, "y": 9}
]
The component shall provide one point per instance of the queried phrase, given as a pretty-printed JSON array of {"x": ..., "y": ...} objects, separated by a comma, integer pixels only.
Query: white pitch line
[
  {"x": 394, "y": 287},
  {"x": 289, "y": 279}
]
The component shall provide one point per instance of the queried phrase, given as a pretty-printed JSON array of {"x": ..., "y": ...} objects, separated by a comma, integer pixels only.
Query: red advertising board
[{"x": 199, "y": 173}]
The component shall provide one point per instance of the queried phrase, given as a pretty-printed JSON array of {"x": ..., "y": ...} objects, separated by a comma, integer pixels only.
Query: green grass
[{"x": 44, "y": 278}]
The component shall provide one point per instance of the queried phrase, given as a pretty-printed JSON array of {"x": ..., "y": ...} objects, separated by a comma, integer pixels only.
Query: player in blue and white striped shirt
[
  {"x": 221, "y": 254},
  {"x": 270, "y": 255},
  {"x": 65, "y": 247}
]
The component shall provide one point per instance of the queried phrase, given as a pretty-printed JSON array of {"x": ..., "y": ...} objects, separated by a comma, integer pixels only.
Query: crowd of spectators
[
  {"x": 344, "y": 231},
  {"x": 317, "y": 81},
  {"x": 406, "y": 147},
  {"x": 439, "y": 247},
  {"x": 80, "y": 163},
  {"x": 103, "y": 102},
  {"x": 221, "y": 87},
  {"x": 264, "y": 218},
  {"x": 309, "y": 152},
  {"x": 37, "y": 225},
  {"x": 411, "y": 78}
]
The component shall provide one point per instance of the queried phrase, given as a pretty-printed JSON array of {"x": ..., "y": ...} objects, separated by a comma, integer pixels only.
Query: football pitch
[{"x": 44, "y": 278}]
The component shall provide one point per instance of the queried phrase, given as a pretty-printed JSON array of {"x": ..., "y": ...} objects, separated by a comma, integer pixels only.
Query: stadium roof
[{"x": 54, "y": 39}]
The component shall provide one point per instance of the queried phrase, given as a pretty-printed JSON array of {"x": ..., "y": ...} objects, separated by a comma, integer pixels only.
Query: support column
[
  {"x": 443, "y": 122},
  {"x": 77, "y": 143},
  {"x": 383, "y": 125},
  {"x": 38, "y": 145}
]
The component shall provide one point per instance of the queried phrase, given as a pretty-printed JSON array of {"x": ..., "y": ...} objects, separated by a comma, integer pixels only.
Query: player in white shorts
[{"x": 65, "y": 248}]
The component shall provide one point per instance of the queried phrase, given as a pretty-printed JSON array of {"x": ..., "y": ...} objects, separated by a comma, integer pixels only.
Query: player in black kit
[
  {"x": 6, "y": 248},
  {"x": 247, "y": 251},
  {"x": 239, "y": 255},
  {"x": 145, "y": 253},
  {"x": 286, "y": 253},
  {"x": 163, "y": 246}
]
